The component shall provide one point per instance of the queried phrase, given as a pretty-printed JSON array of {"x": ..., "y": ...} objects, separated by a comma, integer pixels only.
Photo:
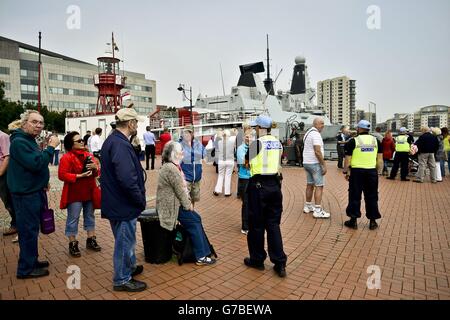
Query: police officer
[
  {"x": 402, "y": 147},
  {"x": 363, "y": 154},
  {"x": 265, "y": 199}
]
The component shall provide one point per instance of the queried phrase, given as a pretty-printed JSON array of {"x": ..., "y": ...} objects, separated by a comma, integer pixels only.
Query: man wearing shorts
[{"x": 315, "y": 168}]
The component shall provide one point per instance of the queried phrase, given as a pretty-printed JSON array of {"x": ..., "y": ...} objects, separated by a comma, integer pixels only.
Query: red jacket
[
  {"x": 75, "y": 190},
  {"x": 164, "y": 138},
  {"x": 388, "y": 148}
]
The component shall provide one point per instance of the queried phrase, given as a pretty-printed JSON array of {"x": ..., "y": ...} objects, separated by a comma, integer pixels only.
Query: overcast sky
[{"x": 402, "y": 66}]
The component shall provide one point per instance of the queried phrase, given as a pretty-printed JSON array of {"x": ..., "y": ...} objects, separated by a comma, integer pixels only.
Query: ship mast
[{"x": 268, "y": 83}]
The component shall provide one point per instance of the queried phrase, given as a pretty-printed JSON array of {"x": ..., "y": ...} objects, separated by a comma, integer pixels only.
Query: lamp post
[{"x": 183, "y": 89}]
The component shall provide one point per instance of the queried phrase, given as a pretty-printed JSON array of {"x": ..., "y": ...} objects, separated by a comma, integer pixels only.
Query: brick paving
[{"x": 325, "y": 259}]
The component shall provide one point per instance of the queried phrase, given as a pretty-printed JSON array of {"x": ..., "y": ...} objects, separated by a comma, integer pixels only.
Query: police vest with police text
[
  {"x": 401, "y": 144},
  {"x": 267, "y": 161},
  {"x": 365, "y": 153}
]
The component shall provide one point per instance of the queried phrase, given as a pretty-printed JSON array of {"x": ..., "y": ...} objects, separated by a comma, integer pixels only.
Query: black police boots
[{"x": 351, "y": 223}]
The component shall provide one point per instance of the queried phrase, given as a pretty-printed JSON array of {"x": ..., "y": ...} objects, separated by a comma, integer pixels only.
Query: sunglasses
[{"x": 79, "y": 140}]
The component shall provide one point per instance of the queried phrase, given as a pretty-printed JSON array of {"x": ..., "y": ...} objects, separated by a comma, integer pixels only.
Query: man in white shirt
[
  {"x": 96, "y": 142},
  {"x": 314, "y": 164}
]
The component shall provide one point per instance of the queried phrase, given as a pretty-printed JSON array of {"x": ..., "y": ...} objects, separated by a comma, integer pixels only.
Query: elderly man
[
  {"x": 427, "y": 146},
  {"x": 363, "y": 154},
  {"x": 315, "y": 168},
  {"x": 28, "y": 177},
  {"x": 123, "y": 198}
]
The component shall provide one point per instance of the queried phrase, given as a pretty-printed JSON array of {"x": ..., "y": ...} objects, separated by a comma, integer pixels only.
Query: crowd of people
[{"x": 114, "y": 164}]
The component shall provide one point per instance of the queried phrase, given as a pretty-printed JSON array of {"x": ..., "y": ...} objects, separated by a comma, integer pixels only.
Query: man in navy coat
[{"x": 123, "y": 198}]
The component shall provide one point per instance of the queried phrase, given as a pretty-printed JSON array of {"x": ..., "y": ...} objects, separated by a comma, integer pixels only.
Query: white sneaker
[
  {"x": 321, "y": 214},
  {"x": 308, "y": 209}
]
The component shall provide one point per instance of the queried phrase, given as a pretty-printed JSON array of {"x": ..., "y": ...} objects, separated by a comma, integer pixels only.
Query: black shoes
[
  {"x": 390, "y": 178},
  {"x": 42, "y": 264},
  {"x": 215, "y": 193},
  {"x": 73, "y": 249},
  {"x": 373, "y": 225},
  {"x": 251, "y": 264},
  {"x": 137, "y": 270},
  {"x": 404, "y": 179},
  {"x": 131, "y": 286},
  {"x": 91, "y": 244},
  {"x": 351, "y": 223},
  {"x": 280, "y": 270},
  {"x": 36, "y": 273}
]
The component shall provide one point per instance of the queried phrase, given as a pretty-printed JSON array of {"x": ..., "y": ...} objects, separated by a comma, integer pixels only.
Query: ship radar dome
[{"x": 300, "y": 60}]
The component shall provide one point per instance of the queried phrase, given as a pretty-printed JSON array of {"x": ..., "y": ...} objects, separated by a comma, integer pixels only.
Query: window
[{"x": 4, "y": 70}]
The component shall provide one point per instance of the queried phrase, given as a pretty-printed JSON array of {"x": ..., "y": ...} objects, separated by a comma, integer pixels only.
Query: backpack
[{"x": 182, "y": 246}]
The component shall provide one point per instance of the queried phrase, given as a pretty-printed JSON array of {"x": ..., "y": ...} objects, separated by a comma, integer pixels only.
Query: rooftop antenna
[{"x": 268, "y": 83}]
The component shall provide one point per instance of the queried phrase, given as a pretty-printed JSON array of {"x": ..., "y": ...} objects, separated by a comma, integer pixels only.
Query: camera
[{"x": 87, "y": 161}]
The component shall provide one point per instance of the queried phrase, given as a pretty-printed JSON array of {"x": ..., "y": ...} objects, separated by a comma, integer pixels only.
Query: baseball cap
[
  {"x": 403, "y": 130},
  {"x": 364, "y": 124},
  {"x": 262, "y": 121},
  {"x": 127, "y": 114}
]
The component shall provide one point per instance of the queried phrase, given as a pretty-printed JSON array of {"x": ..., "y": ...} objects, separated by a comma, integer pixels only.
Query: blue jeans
[
  {"x": 73, "y": 216},
  {"x": 192, "y": 222},
  {"x": 443, "y": 164},
  {"x": 28, "y": 209},
  {"x": 124, "y": 257}
]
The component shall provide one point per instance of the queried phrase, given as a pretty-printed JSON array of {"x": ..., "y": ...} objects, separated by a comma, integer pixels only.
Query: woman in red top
[
  {"x": 388, "y": 144},
  {"x": 78, "y": 169},
  {"x": 164, "y": 138}
]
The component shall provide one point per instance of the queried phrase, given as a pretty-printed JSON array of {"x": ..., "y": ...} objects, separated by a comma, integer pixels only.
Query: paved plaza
[{"x": 326, "y": 260}]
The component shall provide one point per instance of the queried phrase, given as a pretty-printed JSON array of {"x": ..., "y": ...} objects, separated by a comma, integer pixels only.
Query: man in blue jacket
[
  {"x": 27, "y": 179},
  {"x": 194, "y": 152},
  {"x": 123, "y": 198}
]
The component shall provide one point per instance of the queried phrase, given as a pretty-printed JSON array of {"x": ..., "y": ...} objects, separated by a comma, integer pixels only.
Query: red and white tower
[{"x": 109, "y": 83}]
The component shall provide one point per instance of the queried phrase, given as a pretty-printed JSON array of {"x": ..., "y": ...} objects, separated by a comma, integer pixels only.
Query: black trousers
[
  {"x": 363, "y": 180},
  {"x": 5, "y": 195},
  {"x": 242, "y": 193},
  {"x": 341, "y": 156},
  {"x": 265, "y": 205},
  {"x": 150, "y": 151},
  {"x": 400, "y": 159}
]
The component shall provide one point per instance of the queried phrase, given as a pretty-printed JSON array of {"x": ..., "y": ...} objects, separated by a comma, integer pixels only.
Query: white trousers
[
  {"x": 225, "y": 172},
  {"x": 438, "y": 171}
]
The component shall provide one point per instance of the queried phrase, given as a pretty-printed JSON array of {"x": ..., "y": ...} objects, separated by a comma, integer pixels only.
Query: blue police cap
[
  {"x": 364, "y": 124},
  {"x": 262, "y": 121}
]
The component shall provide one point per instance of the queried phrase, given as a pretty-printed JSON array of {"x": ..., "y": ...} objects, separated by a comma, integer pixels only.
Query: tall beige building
[{"x": 337, "y": 98}]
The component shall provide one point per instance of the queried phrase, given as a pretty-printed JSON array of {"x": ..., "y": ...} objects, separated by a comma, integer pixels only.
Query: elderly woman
[
  {"x": 173, "y": 202},
  {"x": 78, "y": 169}
]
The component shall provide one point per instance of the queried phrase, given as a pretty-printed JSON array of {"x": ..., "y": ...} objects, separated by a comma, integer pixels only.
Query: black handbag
[{"x": 182, "y": 246}]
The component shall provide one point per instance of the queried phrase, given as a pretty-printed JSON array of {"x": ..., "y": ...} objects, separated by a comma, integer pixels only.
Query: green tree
[{"x": 10, "y": 111}]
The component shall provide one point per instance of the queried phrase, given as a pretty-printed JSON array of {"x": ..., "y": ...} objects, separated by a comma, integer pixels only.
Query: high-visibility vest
[
  {"x": 267, "y": 161},
  {"x": 365, "y": 153},
  {"x": 447, "y": 144},
  {"x": 401, "y": 144}
]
